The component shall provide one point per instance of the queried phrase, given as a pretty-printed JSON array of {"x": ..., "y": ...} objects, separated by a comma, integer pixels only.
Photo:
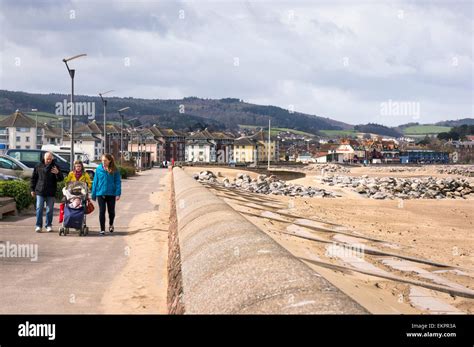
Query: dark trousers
[{"x": 109, "y": 201}]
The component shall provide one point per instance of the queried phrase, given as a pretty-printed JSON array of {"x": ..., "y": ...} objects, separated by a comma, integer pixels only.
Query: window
[
  {"x": 6, "y": 164},
  {"x": 18, "y": 139},
  {"x": 23, "y": 130},
  {"x": 27, "y": 139},
  {"x": 27, "y": 147}
]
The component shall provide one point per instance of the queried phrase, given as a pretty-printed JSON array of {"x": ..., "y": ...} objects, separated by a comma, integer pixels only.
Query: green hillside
[{"x": 425, "y": 130}]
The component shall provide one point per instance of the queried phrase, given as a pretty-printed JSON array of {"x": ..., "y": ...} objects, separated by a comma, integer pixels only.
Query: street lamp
[
  {"x": 130, "y": 137},
  {"x": 36, "y": 126},
  {"x": 269, "y": 143},
  {"x": 62, "y": 129},
  {"x": 139, "y": 154},
  {"x": 71, "y": 74},
  {"x": 121, "y": 131},
  {"x": 104, "y": 102}
]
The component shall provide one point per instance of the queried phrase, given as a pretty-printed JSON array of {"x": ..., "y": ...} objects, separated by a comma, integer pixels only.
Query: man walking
[{"x": 46, "y": 175}]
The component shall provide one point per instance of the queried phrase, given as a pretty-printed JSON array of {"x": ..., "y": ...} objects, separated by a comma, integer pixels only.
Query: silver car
[{"x": 12, "y": 167}]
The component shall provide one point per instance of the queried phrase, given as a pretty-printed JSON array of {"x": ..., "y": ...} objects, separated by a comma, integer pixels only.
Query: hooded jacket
[{"x": 106, "y": 183}]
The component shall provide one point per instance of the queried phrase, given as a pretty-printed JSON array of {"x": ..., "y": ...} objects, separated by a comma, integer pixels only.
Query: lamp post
[
  {"x": 135, "y": 129},
  {"x": 121, "y": 131},
  {"x": 104, "y": 103},
  {"x": 268, "y": 149},
  {"x": 62, "y": 129},
  {"x": 130, "y": 136},
  {"x": 36, "y": 125},
  {"x": 139, "y": 138},
  {"x": 71, "y": 74}
]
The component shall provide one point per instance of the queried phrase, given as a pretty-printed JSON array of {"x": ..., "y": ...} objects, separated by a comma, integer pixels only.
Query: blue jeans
[{"x": 40, "y": 200}]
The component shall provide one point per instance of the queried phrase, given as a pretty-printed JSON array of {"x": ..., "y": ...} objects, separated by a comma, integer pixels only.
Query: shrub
[
  {"x": 126, "y": 171},
  {"x": 123, "y": 172},
  {"x": 59, "y": 190},
  {"x": 19, "y": 190}
]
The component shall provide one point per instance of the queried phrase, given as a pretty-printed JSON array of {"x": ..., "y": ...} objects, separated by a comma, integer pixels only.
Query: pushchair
[{"x": 76, "y": 196}]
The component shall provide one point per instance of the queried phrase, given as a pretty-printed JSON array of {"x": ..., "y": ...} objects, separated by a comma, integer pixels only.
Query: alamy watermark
[
  {"x": 80, "y": 109},
  {"x": 400, "y": 108},
  {"x": 14, "y": 250},
  {"x": 28, "y": 329},
  {"x": 345, "y": 251}
]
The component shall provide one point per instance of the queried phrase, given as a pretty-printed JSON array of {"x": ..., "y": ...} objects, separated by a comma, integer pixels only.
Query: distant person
[
  {"x": 106, "y": 188},
  {"x": 44, "y": 182},
  {"x": 79, "y": 174}
]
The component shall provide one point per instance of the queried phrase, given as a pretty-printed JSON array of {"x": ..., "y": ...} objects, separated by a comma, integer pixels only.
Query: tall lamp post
[
  {"x": 269, "y": 143},
  {"x": 104, "y": 103},
  {"x": 71, "y": 74},
  {"x": 121, "y": 131},
  {"x": 139, "y": 154},
  {"x": 62, "y": 129},
  {"x": 130, "y": 137},
  {"x": 36, "y": 125}
]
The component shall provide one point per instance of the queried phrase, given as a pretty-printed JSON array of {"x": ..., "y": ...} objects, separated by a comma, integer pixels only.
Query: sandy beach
[{"x": 417, "y": 254}]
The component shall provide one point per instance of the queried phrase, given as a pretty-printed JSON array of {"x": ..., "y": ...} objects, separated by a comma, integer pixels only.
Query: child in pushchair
[{"x": 76, "y": 197}]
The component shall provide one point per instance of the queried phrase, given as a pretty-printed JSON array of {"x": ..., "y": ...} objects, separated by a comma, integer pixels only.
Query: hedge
[
  {"x": 126, "y": 171},
  {"x": 59, "y": 190},
  {"x": 19, "y": 190}
]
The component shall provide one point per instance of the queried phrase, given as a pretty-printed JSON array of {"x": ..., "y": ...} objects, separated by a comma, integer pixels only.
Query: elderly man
[{"x": 46, "y": 175}]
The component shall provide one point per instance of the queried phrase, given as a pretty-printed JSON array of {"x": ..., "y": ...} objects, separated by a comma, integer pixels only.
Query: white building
[
  {"x": 306, "y": 158},
  {"x": 52, "y": 135},
  {"x": 344, "y": 152},
  {"x": 87, "y": 139},
  {"x": 19, "y": 132},
  {"x": 200, "y": 147}
]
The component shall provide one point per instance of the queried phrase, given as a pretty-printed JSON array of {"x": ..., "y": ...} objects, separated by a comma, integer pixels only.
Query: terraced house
[
  {"x": 88, "y": 139},
  {"x": 204, "y": 146},
  {"x": 245, "y": 150}
]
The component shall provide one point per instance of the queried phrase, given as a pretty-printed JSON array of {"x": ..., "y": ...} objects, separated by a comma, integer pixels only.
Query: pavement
[{"x": 71, "y": 273}]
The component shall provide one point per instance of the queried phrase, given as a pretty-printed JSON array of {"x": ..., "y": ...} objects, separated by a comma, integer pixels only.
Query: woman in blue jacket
[{"x": 107, "y": 188}]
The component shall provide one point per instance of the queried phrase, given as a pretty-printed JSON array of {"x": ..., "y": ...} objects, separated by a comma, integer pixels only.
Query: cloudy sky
[{"x": 389, "y": 62}]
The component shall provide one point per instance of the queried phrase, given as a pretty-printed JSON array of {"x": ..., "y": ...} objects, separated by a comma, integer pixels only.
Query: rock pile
[
  {"x": 328, "y": 168},
  {"x": 398, "y": 169},
  {"x": 404, "y": 188},
  {"x": 457, "y": 170},
  {"x": 264, "y": 184},
  {"x": 205, "y": 176}
]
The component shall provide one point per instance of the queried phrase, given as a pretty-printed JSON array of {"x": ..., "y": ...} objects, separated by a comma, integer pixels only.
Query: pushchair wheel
[
  {"x": 81, "y": 231},
  {"x": 61, "y": 231},
  {"x": 86, "y": 231},
  {"x": 66, "y": 231}
]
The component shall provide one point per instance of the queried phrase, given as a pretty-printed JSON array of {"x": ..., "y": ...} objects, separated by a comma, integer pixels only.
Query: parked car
[
  {"x": 8, "y": 178},
  {"x": 32, "y": 157},
  {"x": 11, "y": 167}
]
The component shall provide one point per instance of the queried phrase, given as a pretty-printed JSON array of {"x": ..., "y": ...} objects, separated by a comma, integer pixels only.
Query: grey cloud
[{"x": 281, "y": 60}]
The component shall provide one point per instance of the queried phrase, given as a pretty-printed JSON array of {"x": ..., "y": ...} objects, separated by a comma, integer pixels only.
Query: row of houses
[
  {"x": 146, "y": 145},
  {"x": 155, "y": 144},
  {"x": 375, "y": 151}
]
